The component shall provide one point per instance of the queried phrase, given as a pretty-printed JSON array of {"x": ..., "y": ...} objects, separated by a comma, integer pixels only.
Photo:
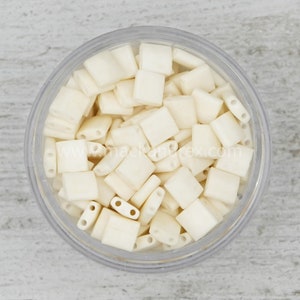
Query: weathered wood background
[{"x": 263, "y": 262}]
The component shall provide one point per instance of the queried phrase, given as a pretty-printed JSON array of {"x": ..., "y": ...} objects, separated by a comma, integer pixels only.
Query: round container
[{"x": 151, "y": 261}]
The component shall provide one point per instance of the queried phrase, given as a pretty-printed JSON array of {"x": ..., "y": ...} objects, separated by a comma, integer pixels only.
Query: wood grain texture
[{"x": 263, "y": 262}]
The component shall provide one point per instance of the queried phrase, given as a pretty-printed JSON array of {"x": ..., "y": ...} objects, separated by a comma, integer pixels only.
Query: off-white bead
[
  {"x": 176, "y": 79},
  {"x": 182, "y": 135},
  {"x": 57, "y": 182},
  {"x": 94, "y": 128},
  {"x": 49, "y": 158},
  {"x": 235, "y": 160},
  {"x": 165, "y": 176},
  {"x": 144, "y": 192},
  {"x": 162, "y": 151},
  {"x": 205, "y": 142},
  {"x": 109, "y": 140},
  {"x": 111, "y": 160},
  {"x": 95, "y": 150},
  {"x": 55, "y": 133},
  {"x": 119, "y": 186},
  {"x": 131, "y": 136},
  {"x": 80, "y": 186},
  {"x": 184, "y": 239},
  {"x": 211, "y": 208},
  {"x": 199, "y": 77},
  {"x": 69, "y": 105},
  {"x": 89, "y": 216},
  {"x": 195, "y": 164},
  {"x": 98, "y": 229},
  {"x": 221, "y": 186},
  {"x": 105, "y": 193},
  {"x": 151, "y": 205},
  {"x": 149, "y": 88},
  {"x": 165, "y": 228},
  {"x": 168, "y": 164},
  {"x": 145, "y": 242},
  {"x": 109, "y": 104},
  {"x": 197, "y": 219},
  {"x": 135, "y": 169},
  {"x": 159, "y": 126},
  {"x": 186, "y": 59},
  {"x": 156, "y": 58},
  {"x": 182, "y": 109},
  {"x": 207, "y": 106},
  {"x": 125, "y": 57},
  {"x": 236, "y": 107},
  {"x": 124, "y": 208},
  {"x": 72, "y": 156},
  {"x": 120, "y": 232},
  {"x": 124, "y": 93},
  {"x": 85, "y": 82},
  {"x": 137, "y": 118},
  {"x": 227, "y": 129},
  {"x": 104, "y": 69},
  {"x": 183, "y": 183}
]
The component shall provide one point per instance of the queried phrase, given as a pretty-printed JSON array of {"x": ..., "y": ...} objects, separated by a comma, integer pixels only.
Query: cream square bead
[
  {"x": 109, "y": 104},
  {"x": 184, "y": 239},
  {"x": 197, "y": 219},
  {"x": 171, "y": 89},
  {"x": 182, "y": 135},
  {"x": 130, "y": 135},
  {"x": 49, "y": 159},
  {"x": 183, "y": 187},
  {"x": 201, "y": 77},
  {"x": 207, "y": 106},
  {"x": 80, "y": 186},
  {"x": 186, "y": 59},
  {"x": 99, "y": 226},
  {"x": 89, "y": 215},
  {"x": 205, "y": 142},
  {"x": 69, "y": 105},
  {"x": 135, "y": 169},
  {"x": 95, "y": 150},
  {"x": 247, "y": 135},
  {"x": 156, "y": 58},
  {"x": 235, "y": 160},
  {"x": 149, "y": 88},
  {"x": 120, "y": 187},
  {"x": 71, "y": 83},
  {"x": 125, "y": 57},
  {"x": 236, "y": 107},
  {"x": 120, "y": 232},
  {"x": 124, "y": 208},
  {"x": 94, "y": 128},
  {"x": 227, "y": 129},
  {"x": 222, "y": 186},
  {"x": 183, "y": 110},
  {"x": 104, "y": 68},
  {"x": 72, "y": 156},
  {"x": 169, "y": 202},
  {"x": 164, "y": 228},
  {"x": 159, "y": 126},
  {"x": 61, "y": 126},
  {"x": 168, "y": 164}
]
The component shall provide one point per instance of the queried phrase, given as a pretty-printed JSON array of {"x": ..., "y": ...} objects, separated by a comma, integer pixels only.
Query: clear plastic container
[{"x": 150, "y": 261}]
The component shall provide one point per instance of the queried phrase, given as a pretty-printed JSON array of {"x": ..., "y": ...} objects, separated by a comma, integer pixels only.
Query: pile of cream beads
[{"x": 147, "y": 150}]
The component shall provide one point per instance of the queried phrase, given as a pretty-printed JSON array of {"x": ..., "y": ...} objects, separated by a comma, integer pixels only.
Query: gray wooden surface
[{"x": 263, "y": 262}]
